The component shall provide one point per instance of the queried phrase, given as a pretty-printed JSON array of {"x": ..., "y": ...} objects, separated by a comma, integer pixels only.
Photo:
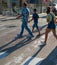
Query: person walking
[
  {"x": 51, "y": 20},
  {"x": 35, "y": 17},
  {"x": 25, "y": 15}
]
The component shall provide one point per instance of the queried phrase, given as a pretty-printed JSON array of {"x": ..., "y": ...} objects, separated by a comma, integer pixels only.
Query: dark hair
[
  {"x": 25, "y": 4},
  {"x": 35, "y": 10},
  {"x": 48, "y": 10}
]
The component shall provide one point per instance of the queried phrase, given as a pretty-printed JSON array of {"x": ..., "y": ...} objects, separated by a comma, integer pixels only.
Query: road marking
[
  {"x": 15, "y": 60},
  {"x": 35, "y": 61},
  {"x": 8, "y": 32},
  {"x": 1, "y": 53},
  {"x": 38, "y": 42},
  {"x": 2, "y": 29}
]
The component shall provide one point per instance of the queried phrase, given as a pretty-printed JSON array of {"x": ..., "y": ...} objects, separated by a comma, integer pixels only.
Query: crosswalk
[
  {"x": 32, "y": 61},
  {"x": 28, "y": 61},
  {"x": 18, "y": 59}
]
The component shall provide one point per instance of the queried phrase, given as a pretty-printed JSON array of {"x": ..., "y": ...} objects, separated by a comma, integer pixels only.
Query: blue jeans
[{"x": 25, "y": 26}]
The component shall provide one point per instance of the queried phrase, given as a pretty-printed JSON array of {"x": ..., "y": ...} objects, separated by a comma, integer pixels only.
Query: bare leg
[
  {"x": 39, "y": 31},
  {"x": 32, "y": 29},
  {"x": 46, "y": 34},
  {"x": 54, "y": 33}
]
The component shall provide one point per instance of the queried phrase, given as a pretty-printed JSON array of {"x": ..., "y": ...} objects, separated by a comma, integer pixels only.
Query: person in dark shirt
[{"x": 35, "y": 17}]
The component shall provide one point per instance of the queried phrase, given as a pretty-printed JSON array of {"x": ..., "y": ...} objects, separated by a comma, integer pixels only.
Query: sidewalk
[{"x": 6, "y": 17}]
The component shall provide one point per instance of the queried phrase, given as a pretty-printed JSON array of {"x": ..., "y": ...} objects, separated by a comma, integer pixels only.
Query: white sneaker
[{"x": 43, "y": 43}]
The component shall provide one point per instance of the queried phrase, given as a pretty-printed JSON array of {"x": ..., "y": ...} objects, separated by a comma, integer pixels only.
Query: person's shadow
[
  {"x": 29, "y": 60},
  {"x": 20, "y": 38},
  {"x": 10, "y": 42},
  {"x": 22, "y": 43},
  {"x": 17, "y": 46}
]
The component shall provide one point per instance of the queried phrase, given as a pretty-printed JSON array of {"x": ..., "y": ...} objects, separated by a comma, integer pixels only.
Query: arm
[
  {"x": 19, "y": 16},
  {"x": 30, "y": 20},
  {"x": 49, "y": 18},
  {"x": 55, "y": 20}
]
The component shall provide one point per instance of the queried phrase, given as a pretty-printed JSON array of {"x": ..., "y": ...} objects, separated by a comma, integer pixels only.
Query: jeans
[{"x": 25, "y": 26}]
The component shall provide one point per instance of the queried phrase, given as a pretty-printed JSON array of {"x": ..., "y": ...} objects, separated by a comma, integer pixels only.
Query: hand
[
  {"x": 17, "y": 18},
  {"x": 28, "y": 21}
]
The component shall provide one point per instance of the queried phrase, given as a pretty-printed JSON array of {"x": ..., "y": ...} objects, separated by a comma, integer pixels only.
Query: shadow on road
[
  {"x": 18, "y": 38},
  {"x": 4, "y": 20},
  {"x": 28, "y": 61},
  {"x": 51, "y": 59},
  {"x": 13, "y": 40},
  {"x": 17, "y": 46},
  {"x": 22, "y": 43}
]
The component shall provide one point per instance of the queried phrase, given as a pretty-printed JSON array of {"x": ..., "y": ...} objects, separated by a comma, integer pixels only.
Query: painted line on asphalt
[
  {"x": 8, "y": 32},
  {"x": 16, "y": 60},
  {"x": 39, "y": 41},
  {"x": 35, "y": 61},
  {"x": 2, "y": 29},
  {"x": 2, "y": 53}
]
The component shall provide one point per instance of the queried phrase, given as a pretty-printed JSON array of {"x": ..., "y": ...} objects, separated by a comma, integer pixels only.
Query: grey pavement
[
  {"x": 8, "y": 17},
  {"x": 26, "y": 51}
]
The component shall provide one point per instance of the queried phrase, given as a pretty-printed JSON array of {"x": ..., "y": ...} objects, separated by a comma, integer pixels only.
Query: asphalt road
[{"x": 26, "y": 51}]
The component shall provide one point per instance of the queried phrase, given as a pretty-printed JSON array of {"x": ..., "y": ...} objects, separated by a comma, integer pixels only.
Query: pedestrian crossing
[
  {"x": 34, "y": 61},
  {"x": 17, "y": 60},
  {"x": 35, "y": 45},
  {"x": 30, "y": 60}
]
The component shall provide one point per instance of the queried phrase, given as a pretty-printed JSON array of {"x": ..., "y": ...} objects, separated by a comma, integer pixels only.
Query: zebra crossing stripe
[
  {"x": 35, "y": 61},
  {"x": 2, "y": 53}
]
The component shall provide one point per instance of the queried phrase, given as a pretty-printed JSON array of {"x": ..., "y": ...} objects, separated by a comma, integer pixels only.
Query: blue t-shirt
[
  {"x": 25, "y": 14},
  {"x": 35, "y": 17}
]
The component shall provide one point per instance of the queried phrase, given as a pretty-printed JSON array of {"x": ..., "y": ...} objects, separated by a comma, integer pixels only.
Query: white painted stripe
[
  {"x": 8, "y": 32},
  {"x": 2, "y": 53},
  {"x": 2, "y": 29},
  {"x": 34, "y": 61},
  {"x": 40, "y": 41},
  {"x": 18, "y": 59},
  {"x": 15, "y": 60}
]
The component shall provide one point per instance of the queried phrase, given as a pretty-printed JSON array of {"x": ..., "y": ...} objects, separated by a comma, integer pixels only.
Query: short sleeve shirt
[
  {"x": 49, "y": 17},
  {"x": 25, "y": 14},
  {"x": 35, "y": 17}
]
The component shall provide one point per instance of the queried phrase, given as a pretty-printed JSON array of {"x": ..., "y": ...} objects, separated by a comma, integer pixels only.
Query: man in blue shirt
[{"x": 24, "y": 15}]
